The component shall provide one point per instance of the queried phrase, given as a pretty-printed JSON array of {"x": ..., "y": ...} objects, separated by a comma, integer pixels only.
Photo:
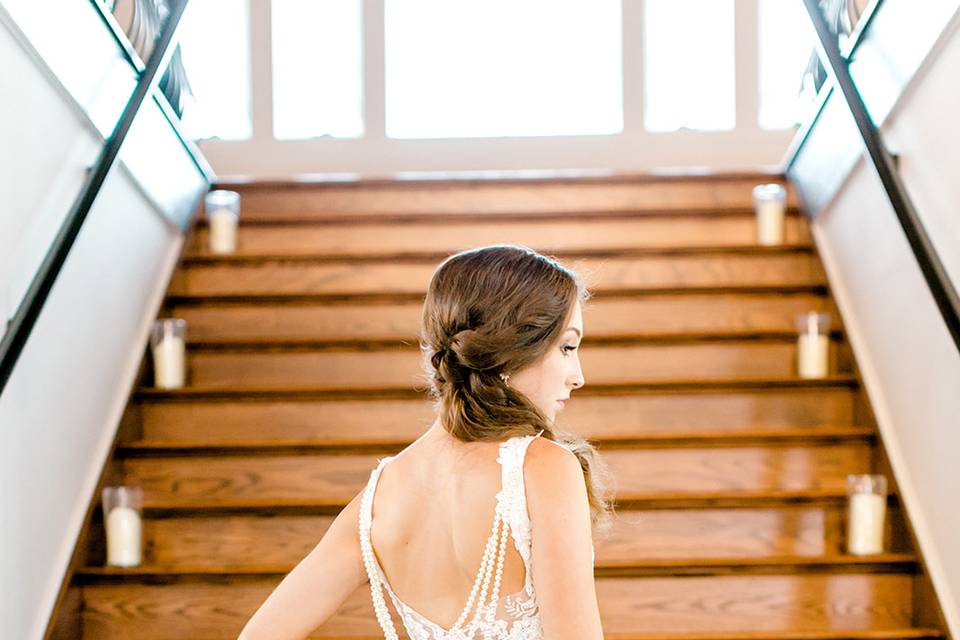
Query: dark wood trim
[
  {"x": 712, "y": 439},
  {"x": 634, "y": 501},
  {"x": 780, "y": 565},
  {"x": 375, "y": 298},
  {"x": 411, "y": 342},
  {"x": 401, "y": 393}
]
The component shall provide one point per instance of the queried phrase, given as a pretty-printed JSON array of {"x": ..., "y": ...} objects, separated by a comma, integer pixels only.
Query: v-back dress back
[{"x": 509, "y": 617}]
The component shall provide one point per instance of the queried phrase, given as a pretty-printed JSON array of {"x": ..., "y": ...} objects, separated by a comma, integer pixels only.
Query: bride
[{"x": 483, "y": 527}]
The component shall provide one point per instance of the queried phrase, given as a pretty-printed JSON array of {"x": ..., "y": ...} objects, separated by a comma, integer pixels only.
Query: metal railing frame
[
  {"x": 837, "y": 65},
  {"x": 21, "y": 325}
]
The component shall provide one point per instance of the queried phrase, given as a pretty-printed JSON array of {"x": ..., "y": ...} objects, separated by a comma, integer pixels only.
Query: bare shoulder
[
  {"x": 552, "y": 475},
  {"x": 561, "y": 542}
]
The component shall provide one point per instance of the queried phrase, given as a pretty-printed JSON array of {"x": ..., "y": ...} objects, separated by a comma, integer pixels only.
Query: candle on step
[
  {"x": 223, "y": 214},
  {"x": 866, "y": 514},
  {"x": 769, "y": 201},
  {"x": 168, "y": 342},
  {"x": 123, "y": 525},
  {"x": 813, "y": 345}
]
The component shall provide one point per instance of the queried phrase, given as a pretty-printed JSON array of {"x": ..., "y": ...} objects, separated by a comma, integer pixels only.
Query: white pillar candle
[
  {"x": 865, "y": 524},
  {"x": 124, "y": 537},
  {"x": 770, "y": 222},
  {"x": 813, "y": 347},
  {"x": 169, "y": 362},
  {"x": 813, "y": 355},
  {"x": 223, "y": 231}
]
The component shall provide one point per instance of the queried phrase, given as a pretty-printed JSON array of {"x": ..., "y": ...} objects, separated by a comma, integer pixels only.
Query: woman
[{"x": 500, "y": 330}]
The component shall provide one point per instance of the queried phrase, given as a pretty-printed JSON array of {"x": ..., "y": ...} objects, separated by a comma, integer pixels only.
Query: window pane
[
  {"x": 689, "y": 65},
  {"x": 219, "y": 75},
  {"x": 460, "y": 68},
  {"x": 786, "y": 43},
  {"x": 317, "y": 68}
]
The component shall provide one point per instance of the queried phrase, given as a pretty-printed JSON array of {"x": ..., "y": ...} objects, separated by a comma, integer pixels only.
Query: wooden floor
[{"x": 304, "y": 368}]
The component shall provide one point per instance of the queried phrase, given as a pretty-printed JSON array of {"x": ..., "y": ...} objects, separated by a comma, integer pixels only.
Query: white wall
[
  {"x": 910, "y": 365},
  {"x": 42, "y": 168},
  {"x": 60, "y": 409},
  {"x": 375, "y": 154}
]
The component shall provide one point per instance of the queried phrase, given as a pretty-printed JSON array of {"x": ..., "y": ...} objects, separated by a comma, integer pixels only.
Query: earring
[{"x": 504, "y": 377}]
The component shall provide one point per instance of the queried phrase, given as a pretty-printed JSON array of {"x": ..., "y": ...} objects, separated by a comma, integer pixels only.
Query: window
[
  {"x": 467, "y": 69},
  {"x": 317, "y": 68},
  {"x": 219, "y": 75},
  {"x": 786, "y": 42},
  {"x": 689, "y": 65}
]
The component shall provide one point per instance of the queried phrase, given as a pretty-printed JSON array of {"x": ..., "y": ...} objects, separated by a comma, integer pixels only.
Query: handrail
[
  {"x": 924, "y": 251},
  {"x": 24, "y": 319}
]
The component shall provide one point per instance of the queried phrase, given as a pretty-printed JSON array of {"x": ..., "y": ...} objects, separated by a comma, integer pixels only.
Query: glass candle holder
[
  {"x": 168, "y": 343},
  {"x": 223, "y": 216},
  {"x": 122, "y": 507},
  {"x": 866, "y": 514},
  {"x": 813, "y": 344},
  {"x": 770, "y": 205}
]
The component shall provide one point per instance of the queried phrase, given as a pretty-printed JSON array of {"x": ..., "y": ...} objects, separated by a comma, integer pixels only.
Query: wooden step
[
  {"x": 240, "y": 481},
  {"x": 640, "y": 607},
  {"x": 693, "y": 359},
  {"x": 611, "y": 317},
  {"x": 655, "y": 538},
  {"x": 638, "y": 194},
  {"x": 771, "y": 267},
  {"x": 275, "y": 445},
  {"x": 559, "y": 237},
  {"x": 801, "y": 406}
]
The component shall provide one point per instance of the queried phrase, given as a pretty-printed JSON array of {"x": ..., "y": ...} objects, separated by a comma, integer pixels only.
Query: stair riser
[
  {"x": 750, "y": 604},
  {"x": 765, "y": 269},
  {"x": 304, "y": 201},
  {"x": 336, "y": 479},
  {"x": 550, "y": 236},
  {"x": 637, "y": 537},
  {"x": 592, "y": 416},
  {"x": 601, "y": 364},
  {"x": 602, "y": 317}
]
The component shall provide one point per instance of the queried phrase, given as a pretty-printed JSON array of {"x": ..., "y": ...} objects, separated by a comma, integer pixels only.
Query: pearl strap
[{"x": 494, "y": 551}]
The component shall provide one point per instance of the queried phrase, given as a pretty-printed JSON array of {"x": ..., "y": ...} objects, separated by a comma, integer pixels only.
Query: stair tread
[{"x": 818, "y": 605}]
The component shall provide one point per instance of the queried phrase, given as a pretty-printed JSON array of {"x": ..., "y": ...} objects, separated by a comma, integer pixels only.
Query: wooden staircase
[{"x": 304, "y": 370}]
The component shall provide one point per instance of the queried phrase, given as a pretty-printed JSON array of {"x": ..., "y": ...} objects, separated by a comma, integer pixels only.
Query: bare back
[{"x": 434, "y": 505}]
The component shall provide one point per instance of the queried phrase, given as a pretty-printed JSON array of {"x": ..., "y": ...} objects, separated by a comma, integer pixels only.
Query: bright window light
[
  {"x": 786, "y": 42},
  {"x": 501, "y": 68},
  {"x": 317, "y": 68},
  {"x": 689, "y": 65},
  {"x": 219, "y": 75}
]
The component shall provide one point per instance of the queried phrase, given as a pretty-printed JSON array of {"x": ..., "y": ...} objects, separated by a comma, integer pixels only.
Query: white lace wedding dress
[{"x": 509, "y": 617}]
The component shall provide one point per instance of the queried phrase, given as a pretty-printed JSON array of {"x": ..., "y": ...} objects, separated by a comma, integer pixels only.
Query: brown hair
[{"x": 491, "y": 311}]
